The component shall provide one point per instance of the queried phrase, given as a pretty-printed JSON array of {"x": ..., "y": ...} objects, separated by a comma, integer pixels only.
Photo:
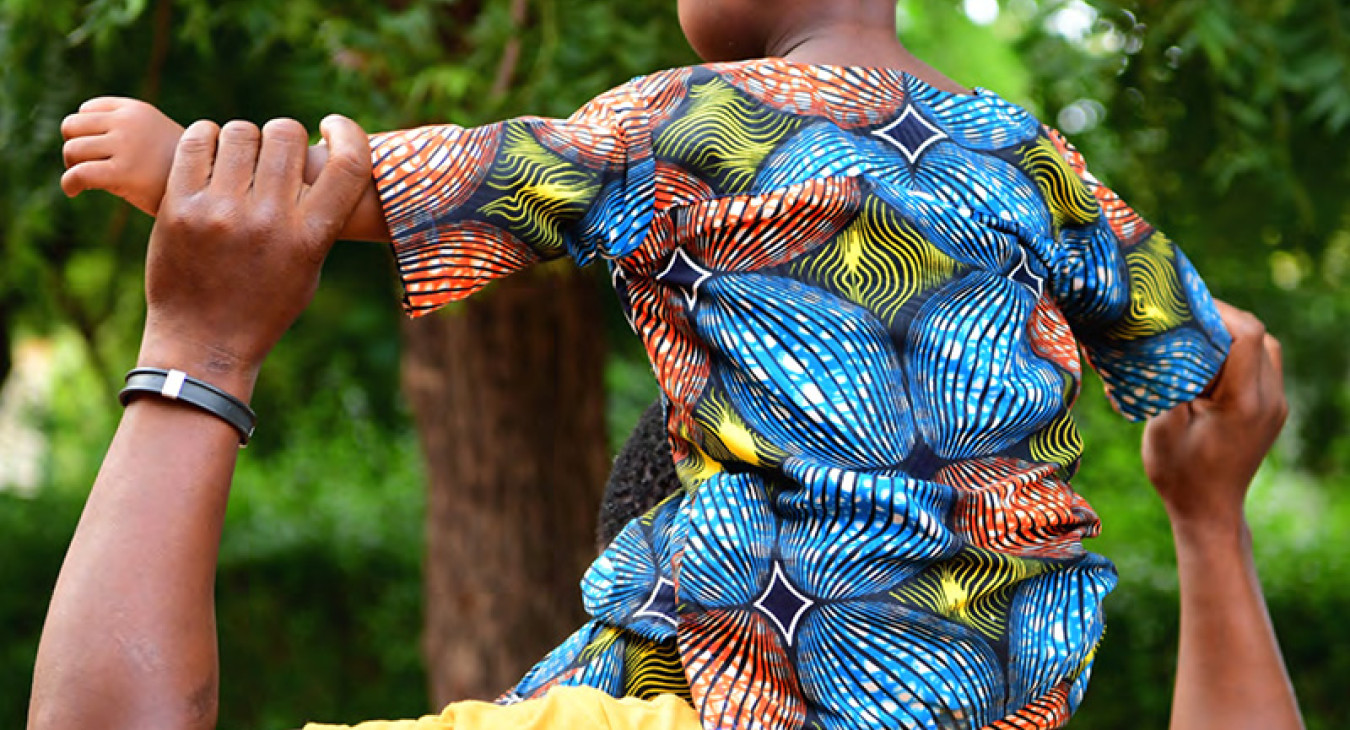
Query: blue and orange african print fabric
[{"x": 863, "y": 299}]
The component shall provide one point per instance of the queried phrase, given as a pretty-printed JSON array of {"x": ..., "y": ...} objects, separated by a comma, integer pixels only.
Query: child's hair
[{"x": 643, "y": 475}]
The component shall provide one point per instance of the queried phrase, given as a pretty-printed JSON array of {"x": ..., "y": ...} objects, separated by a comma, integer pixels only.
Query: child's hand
[
  {"x": 123, "y": 146},
  {"x": 1201, "y": 456}
]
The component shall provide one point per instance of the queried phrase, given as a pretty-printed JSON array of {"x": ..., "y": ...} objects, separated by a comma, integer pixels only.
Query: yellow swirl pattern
[
  {"x": 974, "y": 588},
  {"x": 1157, "y": 301},
  {"x": 696, "y": 468},
  {"x": 651, "y": 669},
  {"x": 1069, "y": 200},
  {"x": 648, "y": 518},
  {"x": 727, "y": 437},
  {"x": 599, "y": 645},
  {"x": 726, "y": 134},
  {"x": 1059, "y": 443},
  {"x": 879, "y": 262},
  {"x": 540, "y": 194}
]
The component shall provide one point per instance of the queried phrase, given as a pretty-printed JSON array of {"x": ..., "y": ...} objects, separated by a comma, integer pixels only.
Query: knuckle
[
  {"x": 265, "y": 214},
  {"x": 240, "y": 131},
  {"x": 97, "y": 101},
  {"x": 220, "y": 217},
  {"x": 194, "y": 145},
  {"x": 177, "y": 214},
  {"x": 199, "y": 136},
  {"x": 285, "y": 130},
  {"x": 1257, "y": 328},
  {"x": 68, "y": 125}
]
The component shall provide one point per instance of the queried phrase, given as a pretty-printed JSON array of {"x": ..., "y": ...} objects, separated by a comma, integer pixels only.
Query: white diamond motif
[
  {"x": 662, "y": 592},
  {"x": 911, "y": 124},
  {"x": 781, "y": 597},
  {"x": 1022, "y": 274},
  {"x": 686, "y": 274}
]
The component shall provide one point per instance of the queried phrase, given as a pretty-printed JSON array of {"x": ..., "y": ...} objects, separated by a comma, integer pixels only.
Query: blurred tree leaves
[{"x": 1226, "y": 122}]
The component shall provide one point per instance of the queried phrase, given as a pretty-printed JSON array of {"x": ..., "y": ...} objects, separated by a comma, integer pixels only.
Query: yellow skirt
[{"x": 562, "y": 708}]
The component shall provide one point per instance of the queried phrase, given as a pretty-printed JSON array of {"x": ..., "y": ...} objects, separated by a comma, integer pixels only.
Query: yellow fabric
[{"x": 563, "y": 708}]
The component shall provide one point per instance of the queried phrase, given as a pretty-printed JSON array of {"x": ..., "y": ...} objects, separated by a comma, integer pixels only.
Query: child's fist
[{"x": 123, "y": 146}]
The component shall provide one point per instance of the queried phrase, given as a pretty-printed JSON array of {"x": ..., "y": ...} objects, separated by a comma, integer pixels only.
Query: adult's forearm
[
  {"x": 234, "y": 257},
  {"x": 1230, "y": 673},
  {"x": 130, "y": 638}
]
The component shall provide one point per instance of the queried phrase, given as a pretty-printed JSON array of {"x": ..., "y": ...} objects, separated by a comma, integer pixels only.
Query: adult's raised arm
[
  {"x": 1201, "y": 457},
  {"x": 130, "y": 639}
]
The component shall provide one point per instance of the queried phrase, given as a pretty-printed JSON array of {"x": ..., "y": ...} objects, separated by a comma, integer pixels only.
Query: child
[{"x": 862, "y": 289}]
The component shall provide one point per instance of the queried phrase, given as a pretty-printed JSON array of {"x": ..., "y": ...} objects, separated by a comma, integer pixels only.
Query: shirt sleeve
[
  {"x": 1145, "y": 318},
  {"x": 466, "y": 206}
]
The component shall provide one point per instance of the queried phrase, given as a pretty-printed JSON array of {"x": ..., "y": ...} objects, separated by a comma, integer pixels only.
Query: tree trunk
[{"x": 507, "y": 393}]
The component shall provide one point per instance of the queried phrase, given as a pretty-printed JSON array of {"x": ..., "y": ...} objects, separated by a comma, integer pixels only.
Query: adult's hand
[
  {"x": 235, "y": 254},
  {"x": 1201, "y": 457},
  {"x": 130, "y": 637}
]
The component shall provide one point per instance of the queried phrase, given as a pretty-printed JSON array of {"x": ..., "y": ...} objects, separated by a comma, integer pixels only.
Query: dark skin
[
  {"x": 130, "y": 638},
  {"x": 1201, "y": 457}
]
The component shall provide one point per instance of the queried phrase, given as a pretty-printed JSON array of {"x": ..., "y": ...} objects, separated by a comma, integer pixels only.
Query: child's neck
[{"x": 853, "y": 44}]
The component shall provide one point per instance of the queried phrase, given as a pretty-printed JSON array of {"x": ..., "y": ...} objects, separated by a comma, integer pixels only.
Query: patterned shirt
[{"x": 863, "y": 298}]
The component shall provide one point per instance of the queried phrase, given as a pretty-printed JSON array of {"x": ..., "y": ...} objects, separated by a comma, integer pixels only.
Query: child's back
[
  {"x": 860, "y": 293},
  {"x": 857, "y": 292}
]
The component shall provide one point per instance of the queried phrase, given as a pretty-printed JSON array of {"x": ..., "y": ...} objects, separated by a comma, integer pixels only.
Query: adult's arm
[
  {"x": 130, "y": 639},
  {"x": 1201, "y": 457}
]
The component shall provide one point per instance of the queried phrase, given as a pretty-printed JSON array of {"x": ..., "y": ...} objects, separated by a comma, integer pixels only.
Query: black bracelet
[{"x": 178, "y": 385}]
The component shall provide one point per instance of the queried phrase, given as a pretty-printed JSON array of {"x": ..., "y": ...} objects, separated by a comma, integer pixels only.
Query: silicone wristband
[{"x": 178, "y": 385}]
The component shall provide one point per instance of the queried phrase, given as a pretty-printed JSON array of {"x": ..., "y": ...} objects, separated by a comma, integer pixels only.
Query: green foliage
[
  {"x": 33, "y": 539},
  {"x": 319, "y": 584},
  {"x": 1298, "y": 527},
  {"x": 1226, "y": 123},
  {"x": 319, "y": 589}
]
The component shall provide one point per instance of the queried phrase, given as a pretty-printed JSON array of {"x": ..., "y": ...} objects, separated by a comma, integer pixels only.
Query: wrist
[
  {"x": 206, "y": 362},
  {"x": 1211, "y": 532}
]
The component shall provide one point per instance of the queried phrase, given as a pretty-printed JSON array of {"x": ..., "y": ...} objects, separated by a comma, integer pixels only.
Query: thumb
[
  {"x": 328, "y": 203},
  {"x": 1169, "y": 425},
  {"x": 1161, "y": 433}
]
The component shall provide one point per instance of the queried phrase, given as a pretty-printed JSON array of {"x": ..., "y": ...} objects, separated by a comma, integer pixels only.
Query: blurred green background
[{"x": 1226, "y": 122}]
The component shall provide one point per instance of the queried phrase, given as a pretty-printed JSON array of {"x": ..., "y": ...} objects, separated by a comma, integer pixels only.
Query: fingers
[
  {"x": 104, "y": 104},
  {"x": 93, "y": 175},
  {"x": 1239, "y": 378},
  {"x": 1272, "y": 385},
  {"x": 344, "y": 177},
  {"x": 281, "y": 161},
  {"x": 84, "y": 124},
  {"x": 1275, "y": 357},
  {"x": 193, "y": 159},
  {"x": 85, "y": 149},
  {"x": 236, "y": 157}
]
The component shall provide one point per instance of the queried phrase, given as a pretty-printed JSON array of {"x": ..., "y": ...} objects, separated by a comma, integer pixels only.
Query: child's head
[
  {"x": 643, "y": 475},
  {"x": 734, "y": 30}
]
